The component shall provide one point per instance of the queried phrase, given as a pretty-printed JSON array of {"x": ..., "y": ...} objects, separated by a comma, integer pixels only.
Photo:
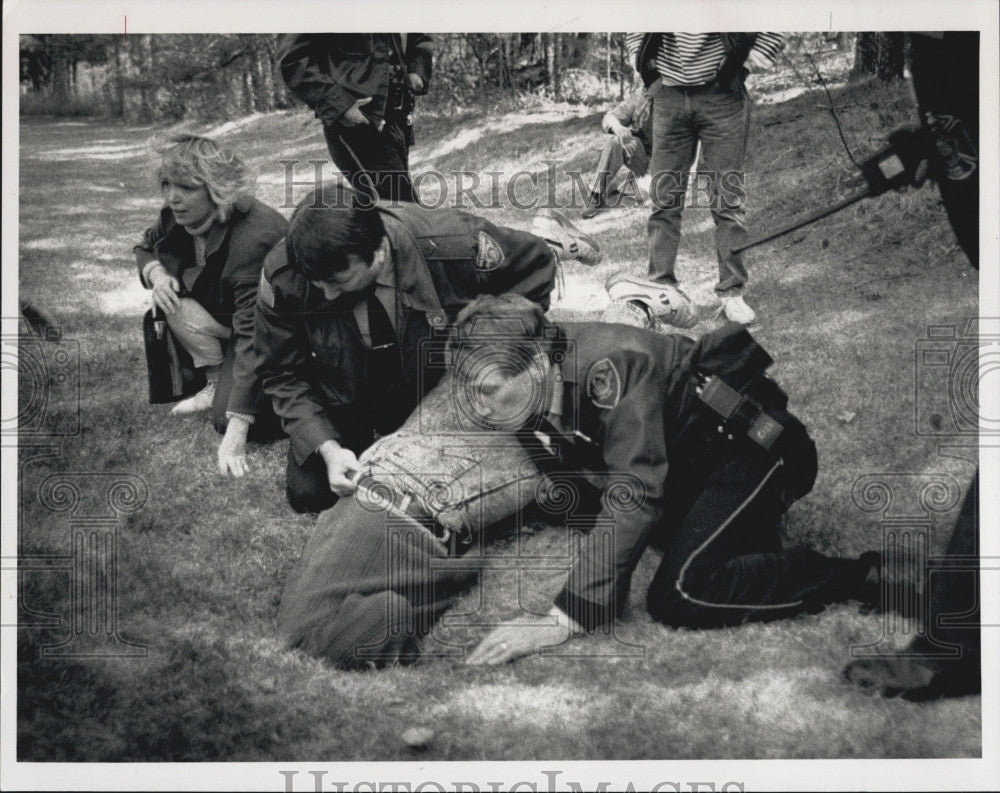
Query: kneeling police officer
[
  {"x": 705, "y": 438},
  {"x": 343, "y": 307}
]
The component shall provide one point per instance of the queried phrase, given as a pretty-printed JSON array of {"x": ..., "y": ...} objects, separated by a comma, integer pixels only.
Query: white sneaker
[
  {"x": 736, "y": 309},
  {"x": 197, "y": 403},
  {"x": 664, "y": 300},
  {"x": 571, "y": 243}
]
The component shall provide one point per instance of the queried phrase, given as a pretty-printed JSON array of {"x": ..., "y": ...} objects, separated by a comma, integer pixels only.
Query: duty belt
[{"x": 740, "y": 414}]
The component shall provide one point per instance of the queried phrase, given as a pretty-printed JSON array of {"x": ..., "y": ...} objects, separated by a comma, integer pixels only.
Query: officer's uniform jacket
[
  {"x": 331, "y": 71},
  {"x": 311, "y": 356},
  {"x": 234, "y": 252},
  {"x": 628, "y": 395}
]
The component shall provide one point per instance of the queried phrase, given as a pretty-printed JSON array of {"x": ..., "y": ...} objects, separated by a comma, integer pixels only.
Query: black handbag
[{"x": 172, "y": 374}]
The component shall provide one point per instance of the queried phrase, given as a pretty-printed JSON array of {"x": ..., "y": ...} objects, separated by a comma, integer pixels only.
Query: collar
[
  {"x": 202, "y": 230},
  {"x": 413, "y": 279}
]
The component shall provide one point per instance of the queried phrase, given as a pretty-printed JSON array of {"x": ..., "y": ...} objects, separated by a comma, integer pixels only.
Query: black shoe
[
  {"x": 893, "y": 582},
  {"x": 914, "y": 677},
  {"x": 595, "y": 204}
]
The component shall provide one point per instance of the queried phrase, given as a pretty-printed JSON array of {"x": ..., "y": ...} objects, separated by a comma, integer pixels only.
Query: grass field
[{"x": 842, "y": 307}]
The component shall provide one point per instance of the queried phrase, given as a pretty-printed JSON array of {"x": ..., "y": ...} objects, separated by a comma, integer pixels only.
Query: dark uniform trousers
[
  {"x": 376, "y": 162},
  {"x": 723, "y": 563}
]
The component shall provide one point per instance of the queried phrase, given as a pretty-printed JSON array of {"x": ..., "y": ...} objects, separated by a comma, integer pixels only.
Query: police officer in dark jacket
[
  {"x": 362, "y": 87},
  {"x": 342, "y": 310},
  {"x": 695, "y": 452}
]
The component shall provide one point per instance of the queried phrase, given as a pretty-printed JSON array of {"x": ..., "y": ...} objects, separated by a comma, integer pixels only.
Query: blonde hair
[{"x": 193, "y": 158}]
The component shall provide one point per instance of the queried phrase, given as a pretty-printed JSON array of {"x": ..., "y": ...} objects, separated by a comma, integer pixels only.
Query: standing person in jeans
[
  {"x": 697, "y": 84},
  {"x": 362, "y": 87}
]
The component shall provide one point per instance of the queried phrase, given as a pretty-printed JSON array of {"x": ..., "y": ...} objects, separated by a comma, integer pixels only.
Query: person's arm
[
  {"x": 282, "y": 354},
  {"x": 303, "y": 58},
  {"x": 635, "y": 454},
  {"x": 528, "y": 266},
  {"x": 763, "y": 52},
  {"x": 619, "y": 120},
  {"x": 419, "y": 61},
  {"x": 152, "y": 273},
  {"x": 634, "y": 451}
]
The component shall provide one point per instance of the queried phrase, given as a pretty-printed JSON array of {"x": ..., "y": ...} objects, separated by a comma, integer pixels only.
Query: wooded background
[{"x": 151, "y": 77}]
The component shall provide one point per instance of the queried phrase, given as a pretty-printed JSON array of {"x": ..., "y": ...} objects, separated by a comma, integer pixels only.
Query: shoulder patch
[
  {"x": 604, "y": 384},
  {"x": 265, "y": 293},
  {"x": 490, "y": 255}
]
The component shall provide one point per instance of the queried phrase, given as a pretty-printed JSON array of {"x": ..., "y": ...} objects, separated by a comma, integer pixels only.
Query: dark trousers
[
  {"x": 375, "y": 162},
  {"x": 613, "y": 158},
  {"x": 952, "y": 641},
  {"x": 369, "y": 584},
  {"x": 720, "y": 119},
  {"x": 723, "y": 563},
  {"x": 266, "y": 427}
]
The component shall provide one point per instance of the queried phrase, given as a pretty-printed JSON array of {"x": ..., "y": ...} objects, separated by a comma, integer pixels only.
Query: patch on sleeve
[
  {"x": 265, "y": 293},
  {"x": 604, "y": 384},
  {"x": 490, "y": 255}
]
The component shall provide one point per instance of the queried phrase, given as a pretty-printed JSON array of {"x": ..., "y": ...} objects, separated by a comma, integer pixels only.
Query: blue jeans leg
[
  {"x": 723, "y": 122},
  {"x": 674, "y": 145}
]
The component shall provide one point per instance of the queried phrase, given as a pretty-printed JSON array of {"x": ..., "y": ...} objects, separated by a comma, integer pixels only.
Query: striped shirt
[{"x": 694, "y": 58}]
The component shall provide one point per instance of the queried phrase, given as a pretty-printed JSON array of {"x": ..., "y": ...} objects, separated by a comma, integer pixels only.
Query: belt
[
  {"x": 376, "y": 495},
  {"x": 738, "y": 414}
]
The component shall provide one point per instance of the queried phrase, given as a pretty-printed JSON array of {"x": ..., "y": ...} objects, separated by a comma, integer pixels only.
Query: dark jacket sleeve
[
  {"x": 634, "y": 450},
  {"x": 528, "y": 267},
  {"x": 304, "y": 62},
  {"x": 283, "y": 358},
  {"x": 420, "y": 57},
  {"x": 265, "y": 228},
  {"x": 145, "y": 249}
]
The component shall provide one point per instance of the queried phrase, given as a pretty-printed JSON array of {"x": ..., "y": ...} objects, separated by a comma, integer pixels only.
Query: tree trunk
[
  {"x": 119, "y": 68},
  {"x": 60, "y": 72},
  {"x": 878, "y": 55},
  {"x": 147, "y": 92},
  {"x": 623, "y": 66},
  {"x": 553, "y": 42},
  {"x": 607, "y": 63},
  {"x": 263, "y": 77}
]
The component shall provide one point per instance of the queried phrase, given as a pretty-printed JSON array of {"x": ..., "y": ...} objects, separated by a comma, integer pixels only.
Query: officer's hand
[
  {"x": 342, "y": 467},
  {"x": 232, "y": 457},
  {"x": 353, "y": 117},
  {"x": 165, "y": 289},
  {"x": 521, "y": 637},
  {"x": 416, "y": 82}
]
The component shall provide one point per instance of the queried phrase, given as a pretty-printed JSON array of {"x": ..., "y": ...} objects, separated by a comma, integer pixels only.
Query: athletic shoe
[
  {"x": 736, "y": 309},
  {"x": 665, "y": 300},
  {"x": 633, "y": 313},
  {"x": 197, "y": 403},
  {"x": 567, "y": 239}
]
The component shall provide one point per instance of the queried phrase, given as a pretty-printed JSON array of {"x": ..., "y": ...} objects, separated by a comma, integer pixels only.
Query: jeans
[{"x": 720, "y": 120}]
